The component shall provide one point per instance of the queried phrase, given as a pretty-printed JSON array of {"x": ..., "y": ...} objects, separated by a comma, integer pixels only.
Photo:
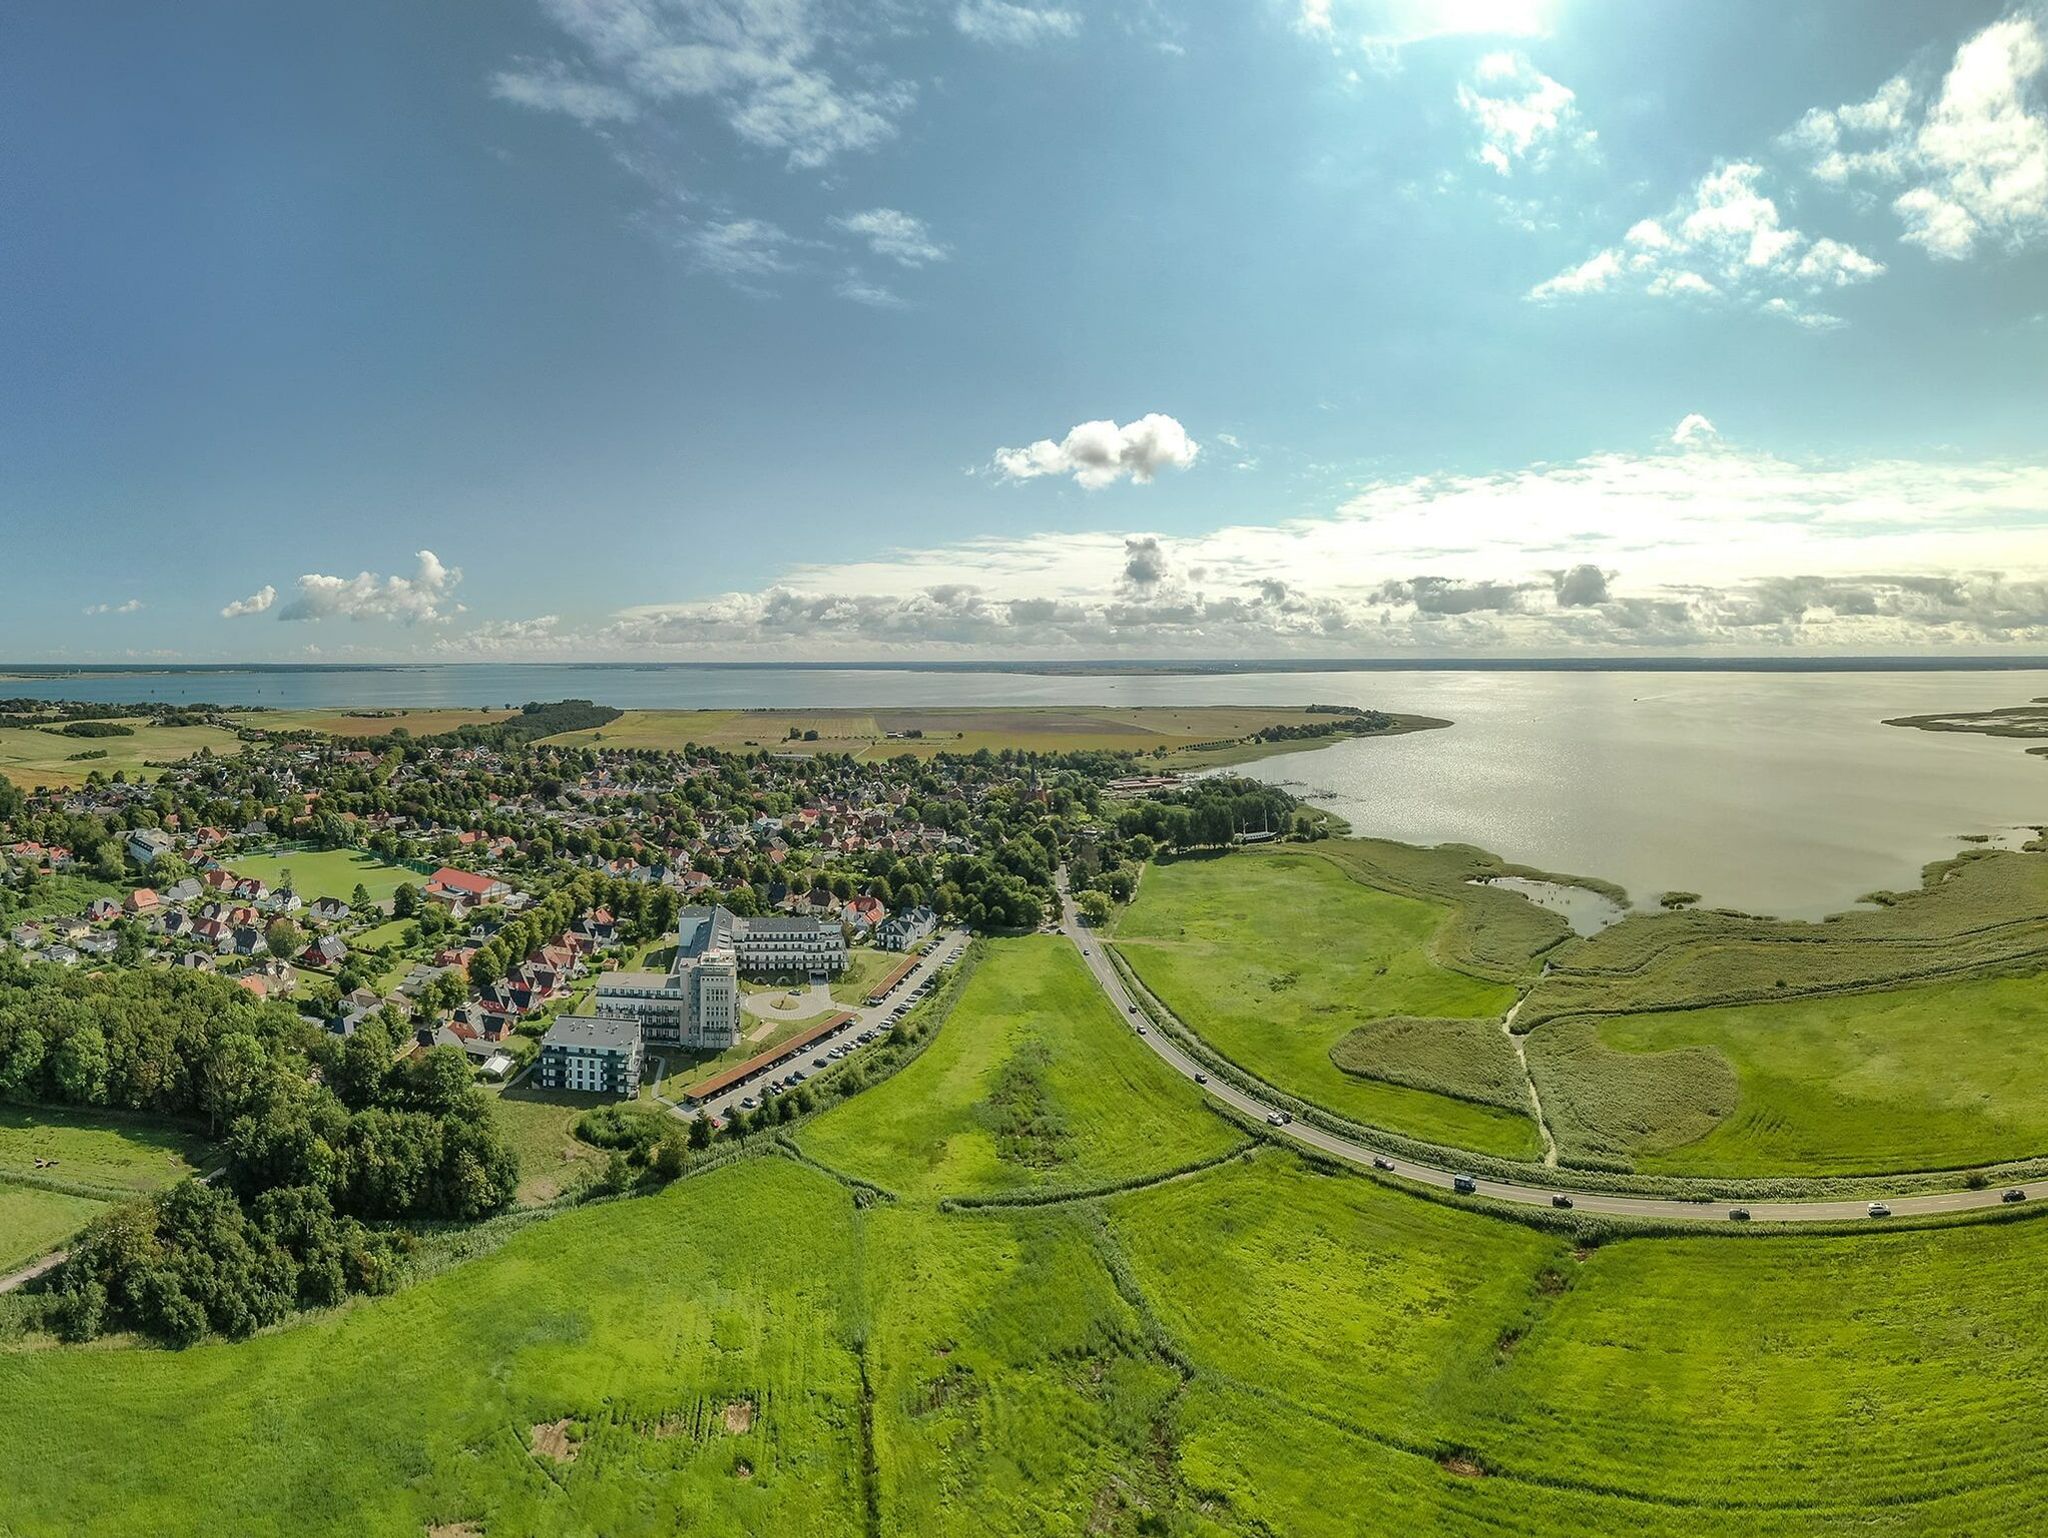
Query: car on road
[
  {"x": 2015, "y": 1194},
  {"x": 1131, "y": 1008},
  {"x": 821, "y": 1062},
  {"x": 1738, "y": 1214},
  {"x": 1201, "y": 1078},
  {"x": 1464, "y": 1185},
  {"x": 1880, "y": 1210},
  {"x": 1141, "y": 1030},
  {"x": 1559, "y": 1199},
  {"x": 748, "y": 1102},
  {"x": 1382, "y": 1162},
  {"x": 1276, "y": 1118}
]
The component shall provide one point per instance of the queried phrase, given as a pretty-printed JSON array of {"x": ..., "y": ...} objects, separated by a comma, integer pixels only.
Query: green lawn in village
[
  {"x": 330, "y": 872},
  {"x": 865, "y": 967},
  {"x": 1275, "y": 958},
  {"x": 1033, "y": 1082}
]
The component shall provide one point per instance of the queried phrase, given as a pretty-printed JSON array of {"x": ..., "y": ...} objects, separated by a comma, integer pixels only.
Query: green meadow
[
  {"x": 1277, "y": 957},
  {"x": 1935, "y": 1076},
  {"x": 1033, "y": 1083},
  {"x": 88, "y": 1160},
  {"x": 329, "y": 872}
]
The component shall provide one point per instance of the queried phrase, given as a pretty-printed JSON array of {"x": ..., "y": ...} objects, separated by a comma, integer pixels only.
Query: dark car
[
  {"x": 1201, "y": 1078},
  {"x": 2014, "y": 1195},
  {"x": 1738, "y": 1214},
  {"x": 1464, "y": 1185},
  {"x": 1559, "y": 1199}
]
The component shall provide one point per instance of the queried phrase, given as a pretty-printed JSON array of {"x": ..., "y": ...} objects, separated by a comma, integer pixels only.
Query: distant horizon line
[{"x": 1109, "y": 667}]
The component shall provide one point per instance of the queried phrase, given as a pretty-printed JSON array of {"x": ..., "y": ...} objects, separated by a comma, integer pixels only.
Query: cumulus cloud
[
  {"x": 424, "y": 597},
  {"x": 1523, "y": 116},
  {"x": 1144, "y": 563},
  {"x": 1101, "y": 453},
  {"x": 1579, "y": 587},
  {"x": 1694, "y": 431},
  {"x": 1724, "y": 242},
  {"x": 757, "y": 62},
  {"x": 1016, "y": 26},
  {"x": 128, "y": 606},
  {"x": 891, "y": 233},
  {"x": 1970, "y": 161},
  {"x": 255, "y": 603}
]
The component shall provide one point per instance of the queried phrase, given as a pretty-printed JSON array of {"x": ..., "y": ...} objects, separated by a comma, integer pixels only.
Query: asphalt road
[
  {"x": 1666, "y": 1209},
  {"x": 946, "y": 948}
]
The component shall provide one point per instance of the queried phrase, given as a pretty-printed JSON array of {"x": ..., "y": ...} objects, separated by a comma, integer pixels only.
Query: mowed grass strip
[
  {"x": 1034, "y": 1082},
  {"x": 1939, "y": 1076},
  {"x": 34, "y": 1221},
  {"x": 1275, "y": 957},
  {"x": 640, "y": 1323},
  {"x": 99, "y": 1150}
]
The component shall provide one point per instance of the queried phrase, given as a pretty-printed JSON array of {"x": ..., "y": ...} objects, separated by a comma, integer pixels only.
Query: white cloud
[
  {"x": 739, "y": 248},
  {"x": 1972, "y": 163},
  {"x": 424, "y": 597},
  {"x": 1100, "y": 453},
  {"x": 1523, "y": 116},
  {"x": 1018, "y": 26},
  {"x": 548, "y": 85},
  {"x": 129, "y": 606},
  {"x": 1725, "y": 241},
  {"x": 255, "y": 603},
  {"x": 896, "y": 235},
  {"x": 1383, "y": 29},
  {"x": 876, "y": 296},
  {"x": 1694, "y": 431},
  {"x": 756, "y": 61}
]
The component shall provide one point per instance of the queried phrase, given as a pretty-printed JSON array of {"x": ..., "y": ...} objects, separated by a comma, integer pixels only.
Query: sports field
[
  {"x": 32, "y": 757},
  {"x": 1032, "y": 1083},
  {"x": 330, "y": 872},
  {"x": 1275, "y": 958},
  {"x": 1203, "y": 733}
]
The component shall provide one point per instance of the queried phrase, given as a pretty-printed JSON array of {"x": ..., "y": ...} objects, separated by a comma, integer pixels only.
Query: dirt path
[{"x": 1507, "y": 1024}]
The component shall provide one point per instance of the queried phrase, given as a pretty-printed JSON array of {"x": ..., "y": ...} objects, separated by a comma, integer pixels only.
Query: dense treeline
[
  {"x": 323, "y": 1137},
  {"x": 1211, "y": 812}
]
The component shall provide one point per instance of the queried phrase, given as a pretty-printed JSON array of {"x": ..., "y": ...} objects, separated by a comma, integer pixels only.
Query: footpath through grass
[
  {"x": 1275, "y": 958},
  {"x": 1033, "y": 1082}
]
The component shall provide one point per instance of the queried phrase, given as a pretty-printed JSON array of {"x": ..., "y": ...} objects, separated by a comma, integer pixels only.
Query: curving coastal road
[{"x": 1668, "y": 1209}]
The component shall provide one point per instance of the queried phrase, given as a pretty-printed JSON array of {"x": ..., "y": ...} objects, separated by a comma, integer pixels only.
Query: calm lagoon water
[{"x": 1771, "y": 792}]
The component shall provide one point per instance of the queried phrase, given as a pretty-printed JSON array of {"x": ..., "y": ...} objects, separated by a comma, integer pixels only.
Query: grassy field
[
  {"x": 540, "y": 1124},
  {"x": 1032, "y": 1083},
  {"x": 33, "y": 1222},
  {"x": 56, "y": 896},
  {"x": 330, "y": 872},
  {"x": 367, "y": 723},
  {"x": 865, "y": 966},
  {"x": 1276, "y": 957},
  {"x": 1937, "y": 1076},
  {"x": 32, "y": 757},
  {"x": 1199, "y": 731},
  {"x": 1256, "y": 1350},
  {"x": 91, "y": 1149}
]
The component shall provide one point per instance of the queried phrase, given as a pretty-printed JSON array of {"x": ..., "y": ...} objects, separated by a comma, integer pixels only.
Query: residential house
[
  {"x": 903, "y": 930},
  {"x": 140, "y": 901},
  {"x": 449, "y": 885}
]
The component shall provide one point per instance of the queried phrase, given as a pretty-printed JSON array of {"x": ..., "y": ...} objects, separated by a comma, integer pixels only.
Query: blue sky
[{"x": 790, "y": 328}]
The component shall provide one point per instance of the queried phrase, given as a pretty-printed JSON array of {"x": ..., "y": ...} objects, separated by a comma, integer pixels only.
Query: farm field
[
  {"x": 116, "y": 1152},
  {"x": 1257, "y": 1349},
  {"x": 378, "y": 723},
  {"x": 1274, "y": 958},
  {"x": 1033, "y": 1082},
  {"x": 330, "y": 872},
  {"x": 31, "y": 757},
  {"x": 879, "y": 734},
  {"x": 1936, "y": 1076}
]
